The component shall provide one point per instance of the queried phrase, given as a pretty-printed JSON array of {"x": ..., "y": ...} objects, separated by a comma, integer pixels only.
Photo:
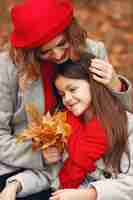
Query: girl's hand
[
  {"x": 104, "y": 73},
  {"x": 74, "y": 194},
  {"x": 51, "y": 155},
  {"x": 9, "y": 192}
]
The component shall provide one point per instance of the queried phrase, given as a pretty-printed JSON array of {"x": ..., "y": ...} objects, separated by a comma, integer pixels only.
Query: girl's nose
[{"x": 67, "y": 98}]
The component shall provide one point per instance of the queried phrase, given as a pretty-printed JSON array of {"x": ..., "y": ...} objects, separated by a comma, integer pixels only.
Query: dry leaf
[{"x": 45, "y": 131}]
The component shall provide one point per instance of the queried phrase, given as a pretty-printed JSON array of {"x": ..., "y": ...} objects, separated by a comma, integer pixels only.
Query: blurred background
[{"x": 110, "y": 21}]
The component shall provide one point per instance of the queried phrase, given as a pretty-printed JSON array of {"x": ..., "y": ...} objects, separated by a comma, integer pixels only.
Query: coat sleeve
[
  {"x": 40, "y": 179},
  {"x": 32, "y": 181},
  {"x": 12, "y": 154},
  {"x": 125, "y": 97},
  {"x": 120, "y": 188}
]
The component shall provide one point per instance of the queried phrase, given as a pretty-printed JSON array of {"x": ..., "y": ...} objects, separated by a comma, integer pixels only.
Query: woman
[{"x": 43, "y": 31}]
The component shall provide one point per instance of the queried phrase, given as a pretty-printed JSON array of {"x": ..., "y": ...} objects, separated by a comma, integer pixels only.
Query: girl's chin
[{"x": 77, "y": 114}]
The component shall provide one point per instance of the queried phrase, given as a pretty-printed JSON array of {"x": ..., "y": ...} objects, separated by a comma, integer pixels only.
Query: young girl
[
  {"x": 113, "y": 175},
  {"x": 88, "y": 140}
]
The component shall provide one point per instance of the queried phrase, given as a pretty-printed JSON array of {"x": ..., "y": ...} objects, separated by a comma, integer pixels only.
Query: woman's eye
[
  {"x": 44, "y": 52},
  {"x": 61, "y": 44},
  {"x": 73, "y": 89}
]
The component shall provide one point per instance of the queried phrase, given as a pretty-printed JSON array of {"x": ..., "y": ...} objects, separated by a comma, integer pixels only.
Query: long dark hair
[{"x": 107, "y": 108}]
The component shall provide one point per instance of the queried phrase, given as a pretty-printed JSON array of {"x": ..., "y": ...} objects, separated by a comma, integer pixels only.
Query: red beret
[{"x": 36, "y": 22}]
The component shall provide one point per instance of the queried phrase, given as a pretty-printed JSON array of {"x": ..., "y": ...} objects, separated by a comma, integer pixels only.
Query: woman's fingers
[
  {"x": 98, "y": 72},
  {"x": 103, "y": 72},
  {"x": 98, "y": 79},
  {"x": 102, "y": 66}
]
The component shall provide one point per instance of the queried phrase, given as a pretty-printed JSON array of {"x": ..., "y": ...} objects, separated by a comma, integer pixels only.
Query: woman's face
[
  {"x": 75, "y": 93},
  {"x": 57, "y": 50}
]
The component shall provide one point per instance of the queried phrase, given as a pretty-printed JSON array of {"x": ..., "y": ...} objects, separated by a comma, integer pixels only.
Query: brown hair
[
  {"x": 26, "y": 62},
  {"x": 107, "y": 108},
  {"x": 76, "y": 36}
]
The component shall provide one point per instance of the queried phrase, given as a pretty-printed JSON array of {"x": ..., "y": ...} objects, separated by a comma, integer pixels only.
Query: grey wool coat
[{"x": 13, "y": 120}]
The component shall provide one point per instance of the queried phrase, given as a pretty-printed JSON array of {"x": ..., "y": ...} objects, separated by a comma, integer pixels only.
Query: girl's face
[
  {"x": 57, "y": 50},
  {"x": 75, "y": 94}
]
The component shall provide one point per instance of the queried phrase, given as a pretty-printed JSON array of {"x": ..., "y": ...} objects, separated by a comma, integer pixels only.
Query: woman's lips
[{"x": 64, "y": 55}]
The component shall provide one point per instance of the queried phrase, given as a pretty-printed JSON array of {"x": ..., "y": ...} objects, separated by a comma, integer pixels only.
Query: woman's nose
[{"x": 58, "y": 53}]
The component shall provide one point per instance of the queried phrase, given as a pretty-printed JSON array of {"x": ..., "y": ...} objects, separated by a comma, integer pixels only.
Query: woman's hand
[
  {"x": 74, "y": 194},
  {"x": 104, "y": 73},
  {"x": 9, "y": 192},
  {"x": 51, "y": 155}
]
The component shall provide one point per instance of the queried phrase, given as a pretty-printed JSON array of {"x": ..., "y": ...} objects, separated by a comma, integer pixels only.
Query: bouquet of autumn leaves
[{"x": 45, "y": 130}]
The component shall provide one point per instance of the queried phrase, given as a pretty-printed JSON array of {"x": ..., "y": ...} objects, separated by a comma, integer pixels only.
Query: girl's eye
[{"x": 61, "y": 94}]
